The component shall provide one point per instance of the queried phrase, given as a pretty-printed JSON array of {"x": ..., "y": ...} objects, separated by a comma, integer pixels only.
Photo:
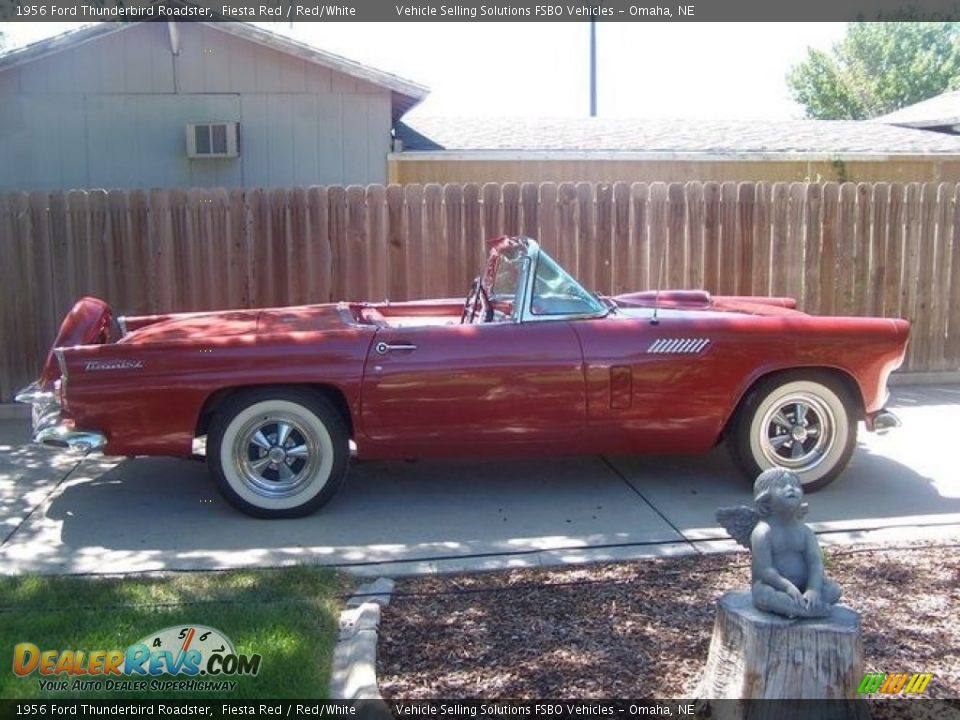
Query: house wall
[
  {"x": 403, "y": 170},
  {"x": 111, "y": 113}
]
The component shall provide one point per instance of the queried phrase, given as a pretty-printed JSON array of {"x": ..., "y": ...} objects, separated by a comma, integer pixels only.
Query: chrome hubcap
[
  {"x": 276, "y": 454},
  {"x": 798, "y": 432}
]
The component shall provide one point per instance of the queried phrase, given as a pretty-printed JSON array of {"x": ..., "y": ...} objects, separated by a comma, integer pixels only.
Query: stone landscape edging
[{"x": 354, "y": 672}]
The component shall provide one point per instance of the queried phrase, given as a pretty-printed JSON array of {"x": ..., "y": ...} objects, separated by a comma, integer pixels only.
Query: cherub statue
[{"x": 786, "y": 569}]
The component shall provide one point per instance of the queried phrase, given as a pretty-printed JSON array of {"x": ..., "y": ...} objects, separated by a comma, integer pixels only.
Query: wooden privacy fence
[{"x": 851, "y": 249}]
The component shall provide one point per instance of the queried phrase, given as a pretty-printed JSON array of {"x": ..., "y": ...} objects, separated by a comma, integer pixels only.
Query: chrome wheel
[
  {"x": 803, "y": 422},
  {"x": 798, "y": 432},
  {"x": 276, "y": 454}
]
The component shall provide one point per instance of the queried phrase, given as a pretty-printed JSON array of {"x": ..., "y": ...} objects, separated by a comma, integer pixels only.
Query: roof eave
[
  {"x": 659, "y": 155},
  {"x": 50, "y": 46},
  {"x": 924, "y": 124},
  {"x": 405, "y": 94},
  {"x": 410, "y": 92}
]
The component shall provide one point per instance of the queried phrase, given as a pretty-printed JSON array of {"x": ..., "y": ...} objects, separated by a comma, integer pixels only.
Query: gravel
[{"x": 642, "y": 629}]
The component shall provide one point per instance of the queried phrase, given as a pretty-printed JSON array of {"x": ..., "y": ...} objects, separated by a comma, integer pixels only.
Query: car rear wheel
[
  {"x": 278, "y": 453},
  {"x": 804, "y": 424}
]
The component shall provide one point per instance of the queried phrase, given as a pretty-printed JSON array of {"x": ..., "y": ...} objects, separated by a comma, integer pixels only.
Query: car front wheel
[
  {"x": 278, "y": 453},
  {"x": 803, "y": 424}
]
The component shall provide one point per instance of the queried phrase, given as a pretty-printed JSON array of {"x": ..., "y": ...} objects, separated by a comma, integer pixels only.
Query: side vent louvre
[
  {"x": 688, "y": 346},
  {"x": 213, "y": 140}
]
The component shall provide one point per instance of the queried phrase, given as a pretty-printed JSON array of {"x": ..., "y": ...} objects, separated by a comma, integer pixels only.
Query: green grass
[{"x": 288, "y": 616}]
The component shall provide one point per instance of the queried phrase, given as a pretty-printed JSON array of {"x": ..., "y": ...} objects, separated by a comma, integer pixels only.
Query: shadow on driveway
[{"x": 152, "y": 513}]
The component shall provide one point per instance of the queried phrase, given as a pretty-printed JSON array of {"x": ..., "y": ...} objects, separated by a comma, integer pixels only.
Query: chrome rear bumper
[
  {"x": 50, "y": 429},
  {"x": 882, "y": 421}
]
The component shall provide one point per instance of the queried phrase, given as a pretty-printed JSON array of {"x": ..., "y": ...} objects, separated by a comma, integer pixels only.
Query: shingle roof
[
  {"x": 721, "y": 137},
  {"x": 935, "y": 112}
]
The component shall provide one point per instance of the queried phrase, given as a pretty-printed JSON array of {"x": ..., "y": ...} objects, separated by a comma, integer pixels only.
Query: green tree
[{"x": 878, "y": 68}]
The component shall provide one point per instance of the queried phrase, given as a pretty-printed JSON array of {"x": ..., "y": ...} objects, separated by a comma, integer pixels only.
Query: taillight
[{"x": 60, "y": 386}]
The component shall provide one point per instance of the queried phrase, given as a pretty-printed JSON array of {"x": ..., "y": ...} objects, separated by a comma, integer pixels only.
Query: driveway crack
[{"x": 653, "y": 507}]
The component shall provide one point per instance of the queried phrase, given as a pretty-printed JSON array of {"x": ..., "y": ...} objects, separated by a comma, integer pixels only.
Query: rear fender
[{"x": 89, "y": 322}]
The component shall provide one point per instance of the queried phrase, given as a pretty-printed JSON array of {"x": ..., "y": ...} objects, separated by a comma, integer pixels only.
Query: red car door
[
  {"x": 655, "y": 388},
  {"x": 430, "y": 390}
]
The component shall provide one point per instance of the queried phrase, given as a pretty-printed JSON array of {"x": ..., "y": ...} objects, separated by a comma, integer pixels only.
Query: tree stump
[{"x": 755, "y": 655}]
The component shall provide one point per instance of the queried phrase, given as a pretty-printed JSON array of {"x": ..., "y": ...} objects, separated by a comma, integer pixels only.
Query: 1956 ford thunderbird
[{"x": 530, "y": 363}]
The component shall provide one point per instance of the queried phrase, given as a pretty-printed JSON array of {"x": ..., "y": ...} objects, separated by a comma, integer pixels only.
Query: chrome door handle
[{"x": 383, "y": 348}]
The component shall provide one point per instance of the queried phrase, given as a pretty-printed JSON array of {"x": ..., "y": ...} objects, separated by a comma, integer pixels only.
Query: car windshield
[
  {"x": 551, "y": 292},
  {"x": 556, "y": 293}
]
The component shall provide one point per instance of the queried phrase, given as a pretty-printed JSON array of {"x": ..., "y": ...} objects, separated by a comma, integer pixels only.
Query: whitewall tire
[
  {"x": 278, "y": 453},
  {"x": 804, "y": 423}
]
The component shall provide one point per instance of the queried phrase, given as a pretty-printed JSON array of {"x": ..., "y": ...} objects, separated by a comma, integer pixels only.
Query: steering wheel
[{"x": 476, "y": 305}]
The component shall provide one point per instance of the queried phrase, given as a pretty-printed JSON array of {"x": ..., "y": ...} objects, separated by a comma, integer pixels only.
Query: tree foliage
[{"x": 878, "y": 68}]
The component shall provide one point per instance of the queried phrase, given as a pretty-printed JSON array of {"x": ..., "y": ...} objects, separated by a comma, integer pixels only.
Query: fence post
[
  {"x": 861, "y": 247},
  {"x": 953, "y": 317},
  {"x": 436, "y": 251},
  {"x": 355, "y": 260},
  {"x": 620, "y": 259},
  {"x": 676, "y": 268},
  {"x": 639, "y": 254},
  {"x": 727, "y": 264},
  {"x": 746, "y": 219},
  {"x": 812, "y": 249},
  {"x": 711, "y": 236},
  {"x": 879, "y": 239},
  {"x": 603, "y": 239},
  {"x": 941, "y": 278},
  {"x": 827, "y": 289},
  {"x": 458, "y": 269},
  {"x": 473, "y": 239},
  {"x": 379, "y": 256},
  {"x": 397, "y": 243},
  {"x": 657, "y": 234}
]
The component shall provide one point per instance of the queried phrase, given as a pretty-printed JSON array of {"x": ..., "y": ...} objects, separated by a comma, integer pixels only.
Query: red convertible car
[{"x": 530, "y": 363}]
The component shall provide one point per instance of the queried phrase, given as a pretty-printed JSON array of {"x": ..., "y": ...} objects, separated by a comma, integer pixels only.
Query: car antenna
[{"x": 654, "y": 320}]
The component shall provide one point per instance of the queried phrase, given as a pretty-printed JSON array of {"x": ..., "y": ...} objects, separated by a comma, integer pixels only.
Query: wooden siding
[
  {"x": 439, "y": 170},
  {"x": 112, "y": 113},
  {"x": 851, "y": 249}
]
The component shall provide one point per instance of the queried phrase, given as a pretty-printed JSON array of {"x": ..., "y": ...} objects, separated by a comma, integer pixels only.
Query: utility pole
[{"x": 593, "y": 66}]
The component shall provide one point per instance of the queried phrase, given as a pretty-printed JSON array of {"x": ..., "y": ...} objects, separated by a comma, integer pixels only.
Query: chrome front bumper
[{"x": 50, "y": 429}]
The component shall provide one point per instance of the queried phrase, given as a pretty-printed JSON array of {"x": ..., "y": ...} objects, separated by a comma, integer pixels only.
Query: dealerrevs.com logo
[{"x": 204, "y": 655}]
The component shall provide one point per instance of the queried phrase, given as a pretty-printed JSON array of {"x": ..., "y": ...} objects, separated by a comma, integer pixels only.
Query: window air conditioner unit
[{"x": 213, "y": 140}]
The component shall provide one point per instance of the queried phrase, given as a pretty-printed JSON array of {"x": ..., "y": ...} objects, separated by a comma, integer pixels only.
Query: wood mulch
[{"x": 642, "y": 629}]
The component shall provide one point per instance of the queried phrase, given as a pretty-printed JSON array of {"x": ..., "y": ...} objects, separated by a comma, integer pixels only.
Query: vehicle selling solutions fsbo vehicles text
[
  {"x": 561, "y": 11},
  {"x": 460, "y": 11}
]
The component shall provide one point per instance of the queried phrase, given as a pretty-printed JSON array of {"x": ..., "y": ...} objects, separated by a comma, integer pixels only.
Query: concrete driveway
[{"x": 100, "y": 515}]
